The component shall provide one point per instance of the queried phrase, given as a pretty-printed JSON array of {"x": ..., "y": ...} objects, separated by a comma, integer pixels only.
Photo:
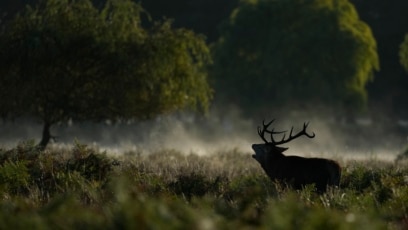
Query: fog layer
[{"x": 217, "y": 133}]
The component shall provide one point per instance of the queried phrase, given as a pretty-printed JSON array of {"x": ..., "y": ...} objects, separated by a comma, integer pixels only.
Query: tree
[
  {"x": 68, "y": 60},
  {"x": 388, "y": 21},
  {"x": 403, "y": 54},
  {"x": 295, "y": 52}
]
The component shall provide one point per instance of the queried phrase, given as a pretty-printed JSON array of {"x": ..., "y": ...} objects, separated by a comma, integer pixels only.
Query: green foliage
[
  {"x": 92, "y": 166},
  {"x": 360, "y": 179},
  {"x": 14, "y": 176},
  {"x": 403, "y": 53},
  {"x": 389, "y": 23},
  {"x": 302, "y": 53},
  {"x": 193, "y": 185},
  {"x": 81, "y": 172},
  {"x": 84, "y": 188},
  {"x": 67, "y": 59},
  {"x": 293, "y": 213}
]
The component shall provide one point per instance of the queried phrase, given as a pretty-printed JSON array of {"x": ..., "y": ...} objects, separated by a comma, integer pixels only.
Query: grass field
[{"x": 83, "y": 188}]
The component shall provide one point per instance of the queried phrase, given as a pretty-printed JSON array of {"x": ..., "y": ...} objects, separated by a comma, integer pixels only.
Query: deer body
[{"x": 294, "y": 170}]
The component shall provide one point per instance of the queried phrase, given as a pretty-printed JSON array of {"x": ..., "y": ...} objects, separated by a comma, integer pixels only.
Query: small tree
[
  {"x": 68, "y": 60},
  {"x": 296, "y": 52}
]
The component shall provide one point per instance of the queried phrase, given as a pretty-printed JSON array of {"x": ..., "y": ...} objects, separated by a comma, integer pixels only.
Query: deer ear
[{"x": 281, "y": 149}]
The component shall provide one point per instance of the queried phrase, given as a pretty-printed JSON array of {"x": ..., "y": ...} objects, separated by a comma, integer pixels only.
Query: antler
[
  {"x": 265, "y": 129},
  {"x": 283, "y": 141}
]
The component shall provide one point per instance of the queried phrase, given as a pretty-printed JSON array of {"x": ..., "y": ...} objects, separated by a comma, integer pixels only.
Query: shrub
[
  {"x": 14, "y": 177},
  {"x": 195, "y": 185}
]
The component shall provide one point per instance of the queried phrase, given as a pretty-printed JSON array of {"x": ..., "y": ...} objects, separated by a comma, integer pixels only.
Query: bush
[{"x": 14, "y": 177}]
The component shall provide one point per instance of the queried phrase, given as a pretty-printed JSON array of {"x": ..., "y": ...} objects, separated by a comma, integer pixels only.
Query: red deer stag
[{"x": 294, "y": 170}]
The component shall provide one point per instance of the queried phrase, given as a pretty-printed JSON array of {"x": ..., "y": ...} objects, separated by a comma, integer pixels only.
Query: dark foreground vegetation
[{"x": 83, "y": 188}]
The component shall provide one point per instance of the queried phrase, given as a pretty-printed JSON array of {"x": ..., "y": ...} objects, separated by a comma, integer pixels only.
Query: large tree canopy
[
  {"x": 296, "y": 52},
  {"x": 68, "y": 60}
]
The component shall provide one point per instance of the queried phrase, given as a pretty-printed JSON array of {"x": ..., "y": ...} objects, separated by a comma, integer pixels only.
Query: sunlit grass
[{"x": 81, "y": 187}]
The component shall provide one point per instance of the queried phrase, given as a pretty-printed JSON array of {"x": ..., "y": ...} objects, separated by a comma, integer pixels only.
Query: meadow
[{"x": 85, "y": 188}]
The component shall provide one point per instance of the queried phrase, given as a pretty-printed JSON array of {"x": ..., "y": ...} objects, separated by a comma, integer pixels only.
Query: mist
[{"x": 220, "y": 131}]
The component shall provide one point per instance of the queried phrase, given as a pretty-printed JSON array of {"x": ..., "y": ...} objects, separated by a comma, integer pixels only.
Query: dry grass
[{"x": 80, "y": 187}]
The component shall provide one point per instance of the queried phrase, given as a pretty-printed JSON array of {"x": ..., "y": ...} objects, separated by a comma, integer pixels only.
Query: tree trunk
[{"x": 46, "y": 136}]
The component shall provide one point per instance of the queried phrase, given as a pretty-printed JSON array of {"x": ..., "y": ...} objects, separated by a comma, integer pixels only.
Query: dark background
[{"x": 387, "y": 93}]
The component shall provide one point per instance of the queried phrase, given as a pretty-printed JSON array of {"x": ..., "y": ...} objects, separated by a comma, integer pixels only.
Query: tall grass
[{"x": 83, "y": 188}]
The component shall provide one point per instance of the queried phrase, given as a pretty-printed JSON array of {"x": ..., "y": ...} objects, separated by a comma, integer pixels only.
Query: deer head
[{"x": 270, "y": 149}]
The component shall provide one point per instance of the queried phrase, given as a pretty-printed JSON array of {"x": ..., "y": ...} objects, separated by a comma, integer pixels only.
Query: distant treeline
[{"x": 387, "y": 19}]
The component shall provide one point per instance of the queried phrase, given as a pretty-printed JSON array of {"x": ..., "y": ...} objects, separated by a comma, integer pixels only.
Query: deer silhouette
[{"x": 294, "y": 171}]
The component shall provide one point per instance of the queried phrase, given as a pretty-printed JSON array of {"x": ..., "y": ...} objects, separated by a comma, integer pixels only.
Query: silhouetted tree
[
  {"x": 293, "y": 52},
  {"x": 68, "y": 60}
]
